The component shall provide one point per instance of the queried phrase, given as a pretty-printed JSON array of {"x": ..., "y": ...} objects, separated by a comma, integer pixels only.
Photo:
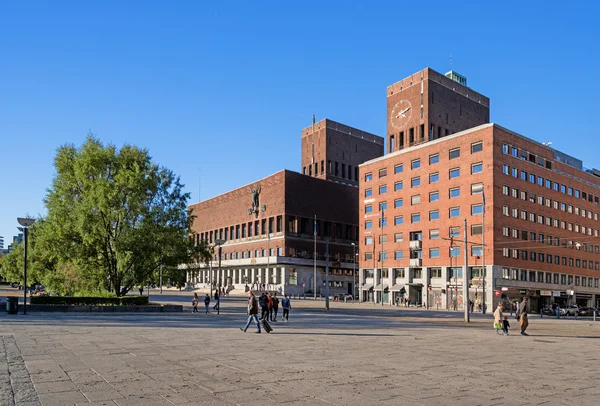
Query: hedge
[{"x": 91, "y": 301}]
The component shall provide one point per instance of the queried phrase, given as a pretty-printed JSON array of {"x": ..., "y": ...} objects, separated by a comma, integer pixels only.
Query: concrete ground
[{"x": 355, "y": 354}]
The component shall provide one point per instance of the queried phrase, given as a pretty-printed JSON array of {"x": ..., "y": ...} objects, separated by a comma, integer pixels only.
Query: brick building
[
  {"x": 540, "y": 220},
  {"x": 267, "y": 228}
]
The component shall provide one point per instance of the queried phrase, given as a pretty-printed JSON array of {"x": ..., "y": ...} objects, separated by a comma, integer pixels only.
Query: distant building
[{"x": 1, "y": 242}]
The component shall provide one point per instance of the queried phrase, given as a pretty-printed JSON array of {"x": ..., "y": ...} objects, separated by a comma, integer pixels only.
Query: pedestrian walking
[
  {"x": 252, "y": 313},
  {"x": 141, "y": 289},
  {"x": 505, "y": 325},
  {"x": 217, "y": 299},
  {"x": 195, "y": 303},
  {"x": 523, "y": 320},
  {"x": 498, "y": 316},
  {"x": 270, "y": 298},
  {"x": 287, "y": 305},
  {"x": 264, "y": 305},
  {"x": 206, "y": 302},
  {"x": 275, "y": 307}
]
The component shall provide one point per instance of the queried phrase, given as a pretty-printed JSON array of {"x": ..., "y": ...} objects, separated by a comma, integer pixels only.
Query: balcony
[
  {"x": 416, "y": 262},
  {"x": 416, "y": 245}
]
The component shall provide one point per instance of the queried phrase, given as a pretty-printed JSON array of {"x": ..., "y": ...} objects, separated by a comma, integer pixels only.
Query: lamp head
[{"x": 25, "y": 222}]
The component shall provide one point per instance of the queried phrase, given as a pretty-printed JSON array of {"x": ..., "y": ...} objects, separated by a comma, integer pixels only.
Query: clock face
[{"x": 401, "y": 114}]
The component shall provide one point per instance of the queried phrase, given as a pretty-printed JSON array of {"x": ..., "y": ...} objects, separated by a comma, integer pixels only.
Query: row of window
[
  {"x": 549, "y": 258},
  {"x": 453, "y": 212},
  {"x": 332, "y": 169},
  {"x": 434, "y": 253},
  {"x": 545, "y": 182},
  {"x": 549, "y": 240},
  {"x": 548, "y": 221},
  {"x": 256, "y": 228},
  {"x": 548, "y": 277},
  {"x": 434, "y": 272},
  {"x": 433, "y": 178},
  {"x": 532, "y": 198},
  {"x": 433, "y": 159}
]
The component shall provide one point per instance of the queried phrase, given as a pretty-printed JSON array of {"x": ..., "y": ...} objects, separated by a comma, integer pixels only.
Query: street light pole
[
  {"x": 466, "y": 279},
  {"x": 25, "y": 223},
  {"x": 160, "y": 278},
  {"x": 315, "y": 259},
  {"x": 354, "y": 266},
  {"x": 219, "y": 243},
  {"x": 326, "y": 273}
]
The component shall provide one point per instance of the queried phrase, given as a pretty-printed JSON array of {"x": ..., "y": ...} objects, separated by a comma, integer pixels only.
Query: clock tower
[{"x": 428, "y": 105}]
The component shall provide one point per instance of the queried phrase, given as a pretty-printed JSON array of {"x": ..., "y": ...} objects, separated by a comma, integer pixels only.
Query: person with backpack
[
  {"x": 264, "y": 305},
  {"x": 287, "y": 305},
  {"x": 252, "y": 313},
  {"x": 275, "y": 307},
  {"x": 206, "y": 302}
]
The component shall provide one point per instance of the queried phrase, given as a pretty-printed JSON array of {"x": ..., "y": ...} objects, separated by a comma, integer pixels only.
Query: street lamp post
[
  {"x": 354, "y": 268},
  {"x": 25, "y": 223},
  {"x": 326, "y": 273},
  {"x": 219, "y": 243}
]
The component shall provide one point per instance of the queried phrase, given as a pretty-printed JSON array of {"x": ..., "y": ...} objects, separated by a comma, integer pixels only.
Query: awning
[
  {"x": 378, "y": 287},
  {"x": 367, "y": 286},
  {"x": 415, "y": 284},
  {"x": 397, "y": 288}
]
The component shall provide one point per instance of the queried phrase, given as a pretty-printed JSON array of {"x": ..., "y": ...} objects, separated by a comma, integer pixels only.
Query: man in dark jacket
[
  {"x": 275, "y": 307},
  {"x": 252, "y": 313},
  {"x": 216, "y": 300},
  {"x": 264, "y": 306}
]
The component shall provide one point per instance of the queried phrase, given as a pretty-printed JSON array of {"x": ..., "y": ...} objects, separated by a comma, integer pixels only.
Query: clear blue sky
[{"x": 225, "y": 87}]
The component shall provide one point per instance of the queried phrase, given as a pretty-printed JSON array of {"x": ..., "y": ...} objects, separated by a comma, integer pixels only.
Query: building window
[
  {"x": 368, "y": 240},
  {"x": 454, "y": 212},
  {"x": 434, "y": 196},
  {"x": 434, "y": 177},
  {"x": 477, "y": 229},
  {"x": 369, "y": 208},
  {"x": 454, "y": 192},
  {"x": 368, "y": 177},
  {"x": 477, "y": 168},
  {"x": 383, "y": 172},
  {"x": 398, "y": 220},
  {"x": 398, "y": 168},
  {"x": 368, "y": 224},
  {"x": 382, "y": 206},
  {"x": 398, "y": 255},
  {"x": 382, "y": 189},
  {"x": 454, "y": 232},
  {"x": 434, "y": 234},
  {"x": 414, "y": 182},
  {"x": 434, "y": 215},
  {"x": 476, "y": 147},
  {"x": 416, "y": 199},
  {"x": 415, "y": 217},
  {"x": 368, "y": 192},
  {"x": 505, "y": 169},
  {"x": 476, "y": 209},
  {"x": 476, "y": 250},
  {"x": 398, "y": 237},
  {"x": 434, "y": 159},
  {"x": 398, "y": 186},
  {"x": 415, "y": 164},
  {"x": 398, "y": 203},
  {"x": 454, "y": 173},
  {"x": 455, "y": 252},
  {"x": 434, "y": 253},
  {"x": 455, "y": 153}
]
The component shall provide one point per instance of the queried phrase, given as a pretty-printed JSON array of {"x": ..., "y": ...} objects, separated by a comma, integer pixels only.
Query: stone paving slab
[{"x": 348, "y": 356}]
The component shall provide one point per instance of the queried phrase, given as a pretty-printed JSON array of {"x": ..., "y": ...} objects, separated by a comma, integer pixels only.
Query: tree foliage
[{"x": 113, "y": 217}]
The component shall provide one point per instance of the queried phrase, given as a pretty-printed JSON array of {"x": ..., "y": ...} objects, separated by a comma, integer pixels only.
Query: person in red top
[{"x": 270, "y": 314}]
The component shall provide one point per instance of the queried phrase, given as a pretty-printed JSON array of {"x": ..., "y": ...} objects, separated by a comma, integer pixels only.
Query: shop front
[
  {"x": 415, "y": 293},
  {"x": 454, "y": 297},
  {"x": 583, "y": 299}
]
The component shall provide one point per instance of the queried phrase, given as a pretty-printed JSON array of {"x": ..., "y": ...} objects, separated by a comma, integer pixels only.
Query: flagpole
[
  {"x": 315, "y": 256},
  {"x": 483, "y": 251}
]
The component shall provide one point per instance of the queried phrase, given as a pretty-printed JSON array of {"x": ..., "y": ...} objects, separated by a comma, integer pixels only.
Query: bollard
[{"x": 594, "y": 315}]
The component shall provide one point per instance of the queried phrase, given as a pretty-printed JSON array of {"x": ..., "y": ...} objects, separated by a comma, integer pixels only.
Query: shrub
[{"x": 91, "y": 301}]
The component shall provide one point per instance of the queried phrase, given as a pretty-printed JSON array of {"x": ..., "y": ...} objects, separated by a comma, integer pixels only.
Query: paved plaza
[{"x": 352, "y": 355}]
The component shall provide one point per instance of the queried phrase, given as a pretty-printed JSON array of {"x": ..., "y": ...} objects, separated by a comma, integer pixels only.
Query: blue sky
[{"x": 223, "y": 88}]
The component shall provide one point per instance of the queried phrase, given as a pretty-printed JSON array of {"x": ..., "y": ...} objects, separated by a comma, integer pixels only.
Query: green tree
[{"x": 113, "y": 216}]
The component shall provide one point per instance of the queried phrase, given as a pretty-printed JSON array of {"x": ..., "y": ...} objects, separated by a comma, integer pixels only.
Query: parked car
[
  {"x": 587, "y": 311},
  {"x": 570, "y": 310},
  {"x": 548, "y": 310}
]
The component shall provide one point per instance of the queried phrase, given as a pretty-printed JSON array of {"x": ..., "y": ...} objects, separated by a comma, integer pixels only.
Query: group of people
[
  {"x": 501, "y": 323},
  {"x": 269, "y": 308},
  {"x": 195, "y": 301}
]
